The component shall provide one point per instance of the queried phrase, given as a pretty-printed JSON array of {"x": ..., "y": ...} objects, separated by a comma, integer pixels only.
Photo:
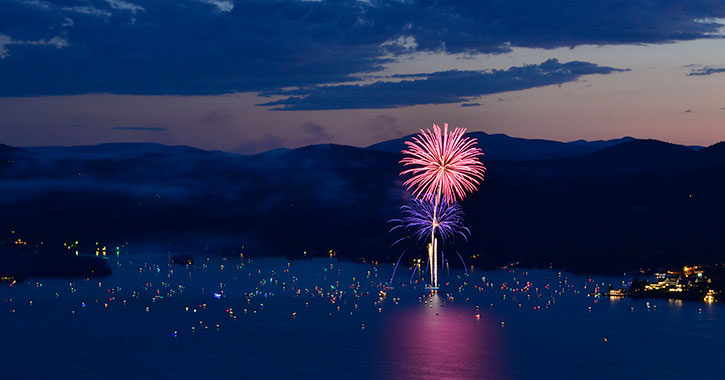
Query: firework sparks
[
  {"x": 444, "y": 167},
  {"x": 442, "y": 164},
  {"x": 422, "y": 219}
]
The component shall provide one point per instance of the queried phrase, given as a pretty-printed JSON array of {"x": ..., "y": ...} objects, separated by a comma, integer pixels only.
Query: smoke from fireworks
[
  {"x": 443, "y": 164},
  {"x": 421, "y": 219}
]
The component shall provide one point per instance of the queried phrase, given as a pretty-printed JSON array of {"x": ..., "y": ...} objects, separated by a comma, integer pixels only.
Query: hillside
[
  {"x": 638, "y": 203},
  {"x": 503, "y": 147}
]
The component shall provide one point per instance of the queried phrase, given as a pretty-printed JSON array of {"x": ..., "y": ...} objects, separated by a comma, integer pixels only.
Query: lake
[{"x": 272, "y": 318}]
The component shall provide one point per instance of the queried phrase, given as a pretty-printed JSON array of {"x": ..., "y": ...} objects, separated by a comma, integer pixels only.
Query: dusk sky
[{"x": 247, "y": 76}]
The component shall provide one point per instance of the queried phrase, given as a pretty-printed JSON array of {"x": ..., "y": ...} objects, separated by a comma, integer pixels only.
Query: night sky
[{"x": 247, "y": 76}]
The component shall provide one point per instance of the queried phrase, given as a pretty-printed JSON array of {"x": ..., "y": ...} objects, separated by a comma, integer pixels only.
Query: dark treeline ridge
[{"x": 631, "y": 205}]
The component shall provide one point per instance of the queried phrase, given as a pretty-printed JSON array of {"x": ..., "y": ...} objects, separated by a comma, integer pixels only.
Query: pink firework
[{"x": 442, "y": 164}]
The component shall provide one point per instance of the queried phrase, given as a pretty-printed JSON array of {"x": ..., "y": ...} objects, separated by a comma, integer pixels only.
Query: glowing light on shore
[{"x": 710, "y": 296}]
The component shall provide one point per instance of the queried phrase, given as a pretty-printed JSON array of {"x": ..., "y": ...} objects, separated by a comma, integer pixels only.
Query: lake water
[{"x": 324, "y": 319}]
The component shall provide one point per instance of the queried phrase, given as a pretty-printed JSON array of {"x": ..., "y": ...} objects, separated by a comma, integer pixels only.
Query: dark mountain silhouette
[
  {"x": 502, "y": 147},
  {"x": 640, "y": 203},
  {"x": 712, "y": 155},
  {"x": 110, "y": 149},
  {"x": 641, "y": 156},
  {"x": 635, "y": 156},
  {"x": 10, "y": 152}
]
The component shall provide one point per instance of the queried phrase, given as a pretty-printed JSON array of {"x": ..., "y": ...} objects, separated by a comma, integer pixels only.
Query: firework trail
[
  {"x": 396, "y": 267},
  {"x": 464, "y": 263},
  {"x": 443, "y": 260},
  {"x": 415, "y": 268},
  {"x": 425, "y": 268}
]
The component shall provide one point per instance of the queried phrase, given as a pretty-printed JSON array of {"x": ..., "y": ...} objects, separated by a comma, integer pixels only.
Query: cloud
[
  {"x": 707, "y": 70},
  {"x": 202, "y": 47},
  {"x": 57, "y": 42},
  {"x": 219, "y": 116},
  {"x": 315, "y": 133},
  {"x": 4, "y": 41},
  {"x": 136, "y": 128},
  {"x": 222, "y": 5},
  {"x": 470, "y": 104},
  {"x": 269, "y": 141},
  {"x": 401, "y": 45},
  {"x": 384, "y": 127},
  {"x": 149, "y": 47},
  {"x": 125, "y": 6},
  {"x": 435, "y": 88},
  {"x": 88, "y": 10},
  {"x": 311, "y": 133}
]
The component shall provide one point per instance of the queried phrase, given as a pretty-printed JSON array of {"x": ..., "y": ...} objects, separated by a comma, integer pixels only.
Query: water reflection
[
  {"x": 320, "y": 319},
  {"x": 436, "y": 340}
]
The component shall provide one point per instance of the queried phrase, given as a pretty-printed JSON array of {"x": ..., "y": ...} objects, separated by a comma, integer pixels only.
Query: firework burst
[
  {"x": 442, "y": 164},
  {"x": 422, "y": 219},
  {"x": 443, "y": 167}
]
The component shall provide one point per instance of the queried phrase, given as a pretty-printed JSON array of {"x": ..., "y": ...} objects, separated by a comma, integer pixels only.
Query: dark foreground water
[{"x": 324, "y": 319}]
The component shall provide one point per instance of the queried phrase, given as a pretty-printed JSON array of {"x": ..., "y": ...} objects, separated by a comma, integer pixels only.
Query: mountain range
[
  {"x": 503, "y": 147},
  {"x": 602, "y": 206}
]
